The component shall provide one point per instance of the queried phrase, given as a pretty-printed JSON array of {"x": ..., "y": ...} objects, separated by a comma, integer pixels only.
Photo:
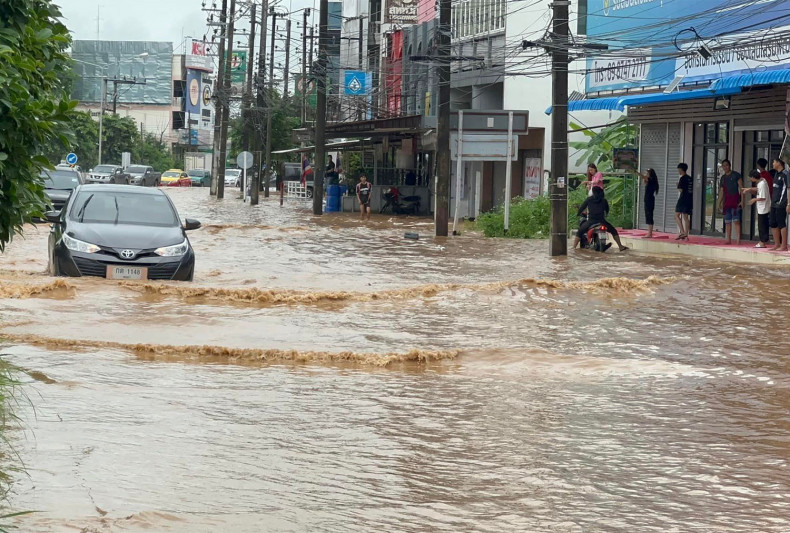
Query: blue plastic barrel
[{"x": 333, "y": 199}]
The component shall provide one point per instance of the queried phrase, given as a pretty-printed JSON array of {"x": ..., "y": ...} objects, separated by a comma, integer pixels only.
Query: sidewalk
[{"x": 702, "y": 247}]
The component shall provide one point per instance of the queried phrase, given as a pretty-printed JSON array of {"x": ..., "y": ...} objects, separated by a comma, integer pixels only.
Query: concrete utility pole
[
  {"x": 223, "y": 132},
  {"x": 442, "y": 208},
  {"x": 287, "y": 57},
  {"x": 217, "y": 169},
  {"x": 305, "y": 15},
  {"x": 361, "y": 99},
  {"x": 320, "y": 112},
  {"x": 101, "y": 115},
  {"x": 260, "y": 104},
  {"x": 270, "y": 107},
  {"x": 311, "y": 76},
  {"x": 558, "y": 185},
  {"x": 247, "y": 104}
]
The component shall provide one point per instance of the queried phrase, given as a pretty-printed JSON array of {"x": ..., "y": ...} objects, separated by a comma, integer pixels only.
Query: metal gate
[{"x": 660, "y": 149}]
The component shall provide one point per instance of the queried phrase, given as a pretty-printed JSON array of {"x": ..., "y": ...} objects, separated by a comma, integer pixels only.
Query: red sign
[{"x": 198, "y": 48}]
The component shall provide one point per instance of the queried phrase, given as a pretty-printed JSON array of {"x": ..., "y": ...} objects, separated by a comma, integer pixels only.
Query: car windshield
[
  {"x": 233, "y": 172},
  {"x": 108, "y": 169},
  {"x": 197, "y": 173},
  {"x": 171, "y": 174},
  {"x": 136, "y": 170},
  {"x": 110, "y": 207},
  {"x": 60, "y": 179}
]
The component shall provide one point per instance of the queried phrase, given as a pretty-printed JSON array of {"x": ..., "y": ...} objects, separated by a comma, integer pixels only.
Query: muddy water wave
[
  {"x": 160, "y": 352},
  {"x": 619, "y": 286},
  {"x": 32, "y": 290}
]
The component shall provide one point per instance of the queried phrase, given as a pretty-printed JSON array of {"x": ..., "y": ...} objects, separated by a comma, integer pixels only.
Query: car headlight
[
  {"x": 76, "y": 245},
  {"x": 173, "y": 251}
]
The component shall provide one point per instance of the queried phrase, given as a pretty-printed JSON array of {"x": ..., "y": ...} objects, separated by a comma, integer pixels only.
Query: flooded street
[{"x": 324, "y": 374}]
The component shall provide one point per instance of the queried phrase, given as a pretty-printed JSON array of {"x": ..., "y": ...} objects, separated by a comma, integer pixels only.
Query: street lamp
[{"x": 103, "y": 92}]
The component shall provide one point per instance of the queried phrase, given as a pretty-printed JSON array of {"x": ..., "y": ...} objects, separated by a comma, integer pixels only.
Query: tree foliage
[
  {"x": 600, "y": 145},
  {"x": 284, "y": 120},
  {"x": 34, "y": 105}
]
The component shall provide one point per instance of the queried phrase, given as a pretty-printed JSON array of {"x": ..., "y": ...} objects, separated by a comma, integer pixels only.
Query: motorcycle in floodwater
[
  {"x": 408, "y": 205},
  {"x": 595, "y": 238}
]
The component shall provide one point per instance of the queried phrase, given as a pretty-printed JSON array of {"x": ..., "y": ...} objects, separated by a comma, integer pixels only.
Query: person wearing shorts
[
  {"x": 778, "y": 216},
  {"x": 731, "y": 201},
  {"x": 363, "y": 195}
]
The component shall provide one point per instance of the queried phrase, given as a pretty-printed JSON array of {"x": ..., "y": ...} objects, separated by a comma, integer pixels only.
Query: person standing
[
  {"x": 731, "y": 201},
  {"x": 778, "y": 217},
  {"x": 651, "y": 190},
  {"x": 763, "y": 201},
  {"x": 363, "y": 195},
  {"x": 594, "y": 179},
  {"x": 762, "y": 167},
  {"x": 685, "y": 203}
]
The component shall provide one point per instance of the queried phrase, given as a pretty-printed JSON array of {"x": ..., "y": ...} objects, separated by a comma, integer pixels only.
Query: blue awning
[
  {"x": 765, "y": 77},
  {"x": 618, "y": 103}
]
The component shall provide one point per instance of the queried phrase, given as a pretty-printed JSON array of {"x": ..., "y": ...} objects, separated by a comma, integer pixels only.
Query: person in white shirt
[{"x": 763, "y": 202}]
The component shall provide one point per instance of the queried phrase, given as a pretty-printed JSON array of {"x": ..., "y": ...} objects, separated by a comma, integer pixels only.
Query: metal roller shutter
[
  {"x": 660, "y": 150},
  {"x": 669, "y": 188}
]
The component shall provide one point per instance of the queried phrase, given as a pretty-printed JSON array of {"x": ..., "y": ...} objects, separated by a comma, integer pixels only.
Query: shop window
[{"x": 777, "y": 135}]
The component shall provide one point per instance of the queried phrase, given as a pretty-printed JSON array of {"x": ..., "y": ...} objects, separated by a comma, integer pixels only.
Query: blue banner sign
[{"x": 355, "y": 82}]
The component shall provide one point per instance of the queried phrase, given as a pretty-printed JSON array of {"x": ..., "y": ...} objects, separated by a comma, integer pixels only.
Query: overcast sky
[{"x": 142, "y": 20}]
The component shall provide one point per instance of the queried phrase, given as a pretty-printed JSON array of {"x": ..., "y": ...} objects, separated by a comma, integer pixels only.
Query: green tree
[
  {"x": 84, "y": 142},
  {"x": 34, "y": 105},
  {"x": 120, "y": 135},
  {"x": 151, "y": 151},
  {"x": 599, "y": 147}
]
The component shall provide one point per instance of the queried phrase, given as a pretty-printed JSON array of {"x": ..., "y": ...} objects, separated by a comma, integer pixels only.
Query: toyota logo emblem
[{"x": 127, "y": 254}]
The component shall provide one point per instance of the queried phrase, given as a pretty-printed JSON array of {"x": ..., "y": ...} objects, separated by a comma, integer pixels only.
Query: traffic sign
[
  {"x": 355, "y": 82},
  {"x": 71, "y": 159},
  {"x": 244, "y": 160}
]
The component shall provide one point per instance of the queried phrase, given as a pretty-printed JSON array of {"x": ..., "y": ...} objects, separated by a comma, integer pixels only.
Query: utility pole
[
  {"x": 320, "y": 112},
  {"x": 305, "y": 15},
  {"x": 260, "y": 104},
  {"x": 311, "y": 76},
  {"x": 247, "y": 104},
  {"x": 248, "y": 126},
  {"x": 217, "y": 170},
  {"x": 361, "y": 99},
  {"x": 101, "y": 116},
  {"x": 270, "y": 106},
  {"x": 558, "y": 186},
  {"x": 223, "y": 132},
  {"x": 442, "y": 208},
  {"x": 287, "y": 57}
]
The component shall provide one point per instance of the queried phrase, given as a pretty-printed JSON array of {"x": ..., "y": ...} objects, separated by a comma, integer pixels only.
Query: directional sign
[
  {"x": 244, "y": 160},
  {"x": 71, "y": 159},
  {"x": 355, "y": 82}
]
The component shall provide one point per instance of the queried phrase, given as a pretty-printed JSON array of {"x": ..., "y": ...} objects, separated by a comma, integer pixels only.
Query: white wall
[{"x": 526, "y": 21}]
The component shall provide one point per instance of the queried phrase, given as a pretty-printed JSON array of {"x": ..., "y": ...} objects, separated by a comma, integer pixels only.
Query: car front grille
[
  {"x": 156, "y": 271},
  {"x": 88, "y": 267},
  {"x": 162, "y": 270}
]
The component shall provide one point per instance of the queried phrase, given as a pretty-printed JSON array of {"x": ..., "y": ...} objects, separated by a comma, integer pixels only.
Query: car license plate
[
  {"x": 602, "y": 237},
  {"x": 126, "y": 272}
]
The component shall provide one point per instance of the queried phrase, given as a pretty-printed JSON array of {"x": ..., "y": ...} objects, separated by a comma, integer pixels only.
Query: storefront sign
[
  {"x": 623, "y": 68},
  {"x": 533, "y": 174},
  {"x": 198, "y": 59},
  {"x": 402, "y": 12},
  {"x": 752, "y": 53},
  {"x": 194, "y": 94}
]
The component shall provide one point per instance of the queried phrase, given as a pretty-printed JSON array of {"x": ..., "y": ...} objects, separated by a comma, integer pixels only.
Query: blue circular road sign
[{"x": 71, "y": 159}]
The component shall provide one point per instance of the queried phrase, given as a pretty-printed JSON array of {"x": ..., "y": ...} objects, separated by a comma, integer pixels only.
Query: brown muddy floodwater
[{"x": 329, "y": 375}]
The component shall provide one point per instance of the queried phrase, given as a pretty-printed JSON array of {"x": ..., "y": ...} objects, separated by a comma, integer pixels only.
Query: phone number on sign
[{"x": 625, "y": 69}]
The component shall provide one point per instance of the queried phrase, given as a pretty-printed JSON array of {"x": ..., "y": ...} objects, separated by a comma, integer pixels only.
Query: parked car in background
[
  {"x": 65, "y": 166},
  {"x": 108, "y": 174},
  {"x": 118, "y": 232},
  {"x": 232, "y": 177},
  {"x": 143, "y": 175},
  {"x": 200, "y": 177},
  {"x": 59, "y": 184},
  {"x": 175, "y": 178}
]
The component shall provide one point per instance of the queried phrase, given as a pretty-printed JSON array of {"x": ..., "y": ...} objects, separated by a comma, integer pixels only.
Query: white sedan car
[{"x": 232, "y": 177}]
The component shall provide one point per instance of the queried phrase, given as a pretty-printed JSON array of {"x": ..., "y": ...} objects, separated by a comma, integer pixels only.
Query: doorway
[
  {"x": 766, "y": 144},
  {"x": 711, "y": 145}
]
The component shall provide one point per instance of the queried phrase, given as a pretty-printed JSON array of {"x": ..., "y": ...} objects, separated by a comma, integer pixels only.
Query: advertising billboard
[
  {"x": 238, "y": 66},
  {"x": 653, "y": 41},
  {"x": 402, "y": 12},
  {"x": 197, "y": 58},
  {"x": 194, "y": 93}
]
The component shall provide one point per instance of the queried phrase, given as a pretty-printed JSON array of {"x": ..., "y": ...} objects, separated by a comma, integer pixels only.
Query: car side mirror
[
  {"x": 53, "y": 217},
  {"x": 191, "y": 223}
]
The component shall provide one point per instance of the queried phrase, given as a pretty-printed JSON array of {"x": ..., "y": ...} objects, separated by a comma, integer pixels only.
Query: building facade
[{"x": 704, "y": 81}]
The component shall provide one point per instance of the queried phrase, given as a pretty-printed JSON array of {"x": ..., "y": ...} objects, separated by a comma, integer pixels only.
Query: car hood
[
  {"x": 126, "y": 235},
  {"x": 136, "y": 174},
  {"x": 58, "y": 194}
]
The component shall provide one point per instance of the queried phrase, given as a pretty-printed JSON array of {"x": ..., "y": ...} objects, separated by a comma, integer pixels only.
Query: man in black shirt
[
  {"x": 779, "y": 207},
  {"x": 597, "y": 208}
]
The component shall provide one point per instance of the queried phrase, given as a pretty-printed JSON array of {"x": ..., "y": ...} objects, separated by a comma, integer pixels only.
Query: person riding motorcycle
[{"x": 597, "y": 208}]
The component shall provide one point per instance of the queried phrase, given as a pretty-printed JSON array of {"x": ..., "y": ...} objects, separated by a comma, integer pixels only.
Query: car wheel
[{"x": 309, "y": 192}]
